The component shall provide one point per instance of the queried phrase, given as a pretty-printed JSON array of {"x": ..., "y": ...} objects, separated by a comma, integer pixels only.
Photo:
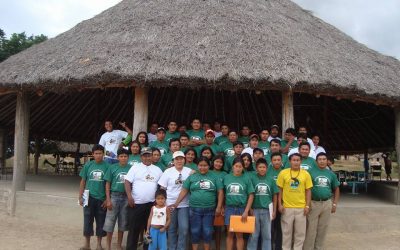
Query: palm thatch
[{"x": 228, "y": 44}]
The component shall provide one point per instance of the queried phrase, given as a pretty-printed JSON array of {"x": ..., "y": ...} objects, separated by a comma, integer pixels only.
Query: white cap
[{"x": 177, "y": 154}]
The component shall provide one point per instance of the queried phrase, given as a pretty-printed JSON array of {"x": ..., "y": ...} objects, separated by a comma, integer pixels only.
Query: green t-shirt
[
  {"x": 219, "y": 174},
  {"x": 127, "y": 140},
  {"x": 134, "y": 159},
  {"x": 215, "y": 148},
  {"x": 237, "y": 190},
  {"x": 308, "y": 164},
  {"x": 169, "y": 136},
  {"x": 195, "y": 135},
  {"x": 264, "y": 145},
  {"x": 273, "y": 173},
  {"x": 192, "y": 166},
  {"x": 324, "y": 181},
  {"x": 245, "y": 140},
  {"x": 160, "y": 165},
  {"x": 93, "y": 173},
  {"x": 203, "y": 189},
  {"x": 116, "y": 176},
  {"x": 293, "y": 145},
  {"x": 264, "y": 190},
  {"x": 167, "y": 160},
  {"x": 221, "y": 139},
  {"x": 228, "y": 163},
  {"x": 227, "y": 148},
  {"x": 285, "y": 161},
  {"x": 162, "y": 146}
]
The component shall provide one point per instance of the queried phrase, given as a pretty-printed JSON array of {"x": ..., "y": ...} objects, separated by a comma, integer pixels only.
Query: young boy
[
  {"x": 265, "y": 192},
  {"x": 237, "y": 149},
  {"x": 92, "y": 175},
  {"x": 117, "y": 202}
]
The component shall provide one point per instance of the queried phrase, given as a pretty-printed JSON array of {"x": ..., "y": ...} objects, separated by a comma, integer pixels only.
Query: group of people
[{"x": 170, "y": 186}]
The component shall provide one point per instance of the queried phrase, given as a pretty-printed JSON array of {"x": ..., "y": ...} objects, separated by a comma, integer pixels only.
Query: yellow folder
[{"x": 236, "y": 225}]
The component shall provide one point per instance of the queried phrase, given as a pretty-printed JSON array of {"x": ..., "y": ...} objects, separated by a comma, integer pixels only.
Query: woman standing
[
  {"x": 239, "y": 195},
  {"x": 156, "y": 159},
  {"x": 172, "y": 181},
  {"x": 143, "y": 139},
  {"x": 191, "y": 157},
  {"x": 207, "y": 152},
  {"x": 248, "y": 162},
  {"x": 206, "y": 197},
  {"x": 134, "y": 157}
]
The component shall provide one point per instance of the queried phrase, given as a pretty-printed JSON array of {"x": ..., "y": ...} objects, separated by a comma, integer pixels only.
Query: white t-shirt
[
  {"x": 217, "y": 134},
  {"x": 144, "y": 182},
  {"x": 159, "y": 216},
  {"x": 248, "y": 150},
  {"x": 152, "y": 137},
  {"x": 296, "y": 150},
  {"x": 170, "y": 180},
  {"x": 270, "y": 138},
  {"x": 111, "y": 140},
  {"x": 318, "y": 149},
  {"x": 312, "y": 147}
]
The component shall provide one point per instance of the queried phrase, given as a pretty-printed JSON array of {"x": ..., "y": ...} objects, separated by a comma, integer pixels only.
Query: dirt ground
[{"x": 48, "y": 217}]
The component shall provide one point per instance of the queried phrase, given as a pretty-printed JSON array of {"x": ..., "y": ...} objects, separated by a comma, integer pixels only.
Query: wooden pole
[
  {"x": 287, "y": 110},
  {"x": 141, "y": 111},
  {"x": 77, "y": 158},
  {"x": 37, "y": 155},
  {"x": 397, "y": 143},
  {"x": 21, "y": 138},
  {"x": 3, "y": 151}
]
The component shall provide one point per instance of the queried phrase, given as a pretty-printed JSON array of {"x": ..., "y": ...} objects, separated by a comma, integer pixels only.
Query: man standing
[
  {"x": 264, "y": 141},
  {"x": 111, "y": 140},
  {"x": 172, "y": 131},
  {"x": 160, "y": 142},
  {"x": 325, "y": 185},
  {"x": 209, "y": 142},
  {"x": 289, "y": 141},
  {"x": 274, "y": 133},
  {"x": 224, "y": 135},
  {"x": 245, "y": 132},
  {"x": 294, "y": 203},
  {"x": 152, "y": 134},
  {"x": 140, "y": 187}
]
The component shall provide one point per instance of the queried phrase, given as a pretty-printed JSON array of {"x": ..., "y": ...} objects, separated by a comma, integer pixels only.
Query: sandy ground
[{"x": 49, "y": 218}]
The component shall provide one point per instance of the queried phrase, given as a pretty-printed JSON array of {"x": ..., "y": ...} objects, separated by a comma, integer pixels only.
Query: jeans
[
  {"x": 276, "y": 232},
  {"x": 119, "y": 211},
  {"x": 229, "y": 211},
  {"x": 110, "y": 160},
  {"x": 178, "y": 229},
  {"x": 92, "y": 212},
  {"x": 263, "y": 228},
  {"x": 137, "y": 223},
  {"x": 159, "y": 239},
  {"x": 201, "y": 224}
]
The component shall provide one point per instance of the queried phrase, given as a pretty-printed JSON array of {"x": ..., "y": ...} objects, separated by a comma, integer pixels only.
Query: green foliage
[{"x": 17, "y": 43}]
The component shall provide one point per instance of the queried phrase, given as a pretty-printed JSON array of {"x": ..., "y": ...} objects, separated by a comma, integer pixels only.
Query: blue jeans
[
  {"x": 178, "y": 229},
  {"x": 118, "y": 212},
  {"x": 92, "y": 212},
  {"x": 263, "y": 228},
  {"x": 201, "y": 224},
  {"x": 229, "y": 211},
  {"x": 159, "y": 239},
  {"x": 110, "y": 160}
]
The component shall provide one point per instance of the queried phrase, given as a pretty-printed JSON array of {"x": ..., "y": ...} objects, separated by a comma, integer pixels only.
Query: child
[
  {"x": 92, "y": 175},
  {"x": 117, "y": 202},
  {"x": 265, "y": 192},
  {"x": 239, "y": 195},
  {"x": 158, "y": 222}
]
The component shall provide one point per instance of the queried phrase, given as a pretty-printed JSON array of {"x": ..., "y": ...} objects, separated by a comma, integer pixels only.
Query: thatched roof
[{"x": 253, "y": 44}]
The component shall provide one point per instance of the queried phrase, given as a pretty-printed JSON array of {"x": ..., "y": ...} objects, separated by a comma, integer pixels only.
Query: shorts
[
  {"x": 119, "y": 212},
  {"x": 232, "y": 211}
]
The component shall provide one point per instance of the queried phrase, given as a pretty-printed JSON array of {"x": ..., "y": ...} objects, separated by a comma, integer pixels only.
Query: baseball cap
[
  {"x": 275, "y": 126},
  {"x": 146, "y": 150},
  {"x": 254, "y": 135},
  {"x": 210, "y": 131},
  {"x": 161, "y": 129},
  {"x": 178, "y": 154}
]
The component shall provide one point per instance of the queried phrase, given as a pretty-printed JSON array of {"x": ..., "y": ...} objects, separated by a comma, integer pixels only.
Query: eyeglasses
[{"x": 179, "y": 180}]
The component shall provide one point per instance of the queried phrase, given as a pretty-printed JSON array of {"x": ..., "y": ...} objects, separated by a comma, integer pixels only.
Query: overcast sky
[{"x": 375, "y": 23}]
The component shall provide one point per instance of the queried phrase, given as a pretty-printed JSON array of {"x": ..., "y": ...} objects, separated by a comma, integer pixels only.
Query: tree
[{"x": 17, "y": 43}]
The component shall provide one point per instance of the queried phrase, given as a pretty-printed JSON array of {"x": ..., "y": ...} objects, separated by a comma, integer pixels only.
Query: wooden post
[
  {"x": 37, "y": 155},
  {"x": 21, "y": 138},
  {"x": 141, "y": 110},
  {"x": 3, "y": 151},
  {"x": 287, "y": 110},
  {"x": 397, "y": 143},
  {"x": 77, "y": 158}
]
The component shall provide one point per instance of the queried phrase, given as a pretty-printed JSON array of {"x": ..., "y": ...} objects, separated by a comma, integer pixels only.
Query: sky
[{"x": 375, "y": 23}]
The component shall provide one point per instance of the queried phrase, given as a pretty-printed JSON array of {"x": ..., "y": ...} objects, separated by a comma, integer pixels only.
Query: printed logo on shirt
[
  {"x": 305, "y": 166},
  {"x": 149, "y": 178},
  {"x": 196, "y": 138},
  {"x": 96, "y": 175},
  {"x": 262, "y": 189},
  {"x": 245, "y": 144},
  {"x": 322, "y": 181},
  {"x": 121, "y": 177},
  {"x": 294, "y": 183},
  {"x": 266, "y": 151},
  {"x": 235, "y": 189},
  {"x": 158, "y": 214},
  {"x": 133, "y": 162},
  {"x": 229, "y": 152},
  {"x": 162, "y": 150},
  {"x": 205, "y": 184}
]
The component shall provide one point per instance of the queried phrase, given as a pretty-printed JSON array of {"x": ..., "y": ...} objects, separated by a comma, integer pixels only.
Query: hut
[{"x": 255, "y": 61}]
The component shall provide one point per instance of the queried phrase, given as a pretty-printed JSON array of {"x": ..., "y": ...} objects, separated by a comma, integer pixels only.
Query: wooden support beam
[
  {"x": 287, "y": 110},
  {"x": 141, "y": 111},
  {"x": 21, "y": 138},
  {"x": 397, "y": 143},
  {"x": 3, "y": 151}
]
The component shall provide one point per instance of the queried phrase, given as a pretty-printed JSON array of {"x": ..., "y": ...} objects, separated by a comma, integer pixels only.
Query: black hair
[
  {"x": 261, "y": 161},
  {"x": 161, "y": 192},
  {"x": 194, "y": 151},
  {"x": 242, "y": 156},
  {"x": 275, "y": 141},
  {"x": 146, "y": 141},
  {"x": 184, "y": 135},
  {"x": 258, "y": 150},
  {"x": 122, "y": 151},
  {"x": 232, "y": 130},
  {"x": 202, "y": 158},
  {"x": 276, "y": 154},
  {"x": 304, "y": 143},
  {"x": 155, "y": 149},
  {"x": 174, "y": 140},
  {"x": 291, "y": 131},
  {"x": 331, "y": 158},
  {"x": 302, "y": 135},
  {"x": 137, "y": 142},
  {"x": 237, "y": 143},
  {"x": 218, "y": 157},
  {"x": 321, "y": 154},
  {"x": 238, "y": 159},
  {"x": 295, "y": 154},
  {"x": 97, "y": 147},
  {"x": 206, "y": 148}
]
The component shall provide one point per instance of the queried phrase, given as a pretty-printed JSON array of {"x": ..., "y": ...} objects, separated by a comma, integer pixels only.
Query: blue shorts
[
  {"x": 118, "y": 213},
  {"x": 232, "y": 211}
]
